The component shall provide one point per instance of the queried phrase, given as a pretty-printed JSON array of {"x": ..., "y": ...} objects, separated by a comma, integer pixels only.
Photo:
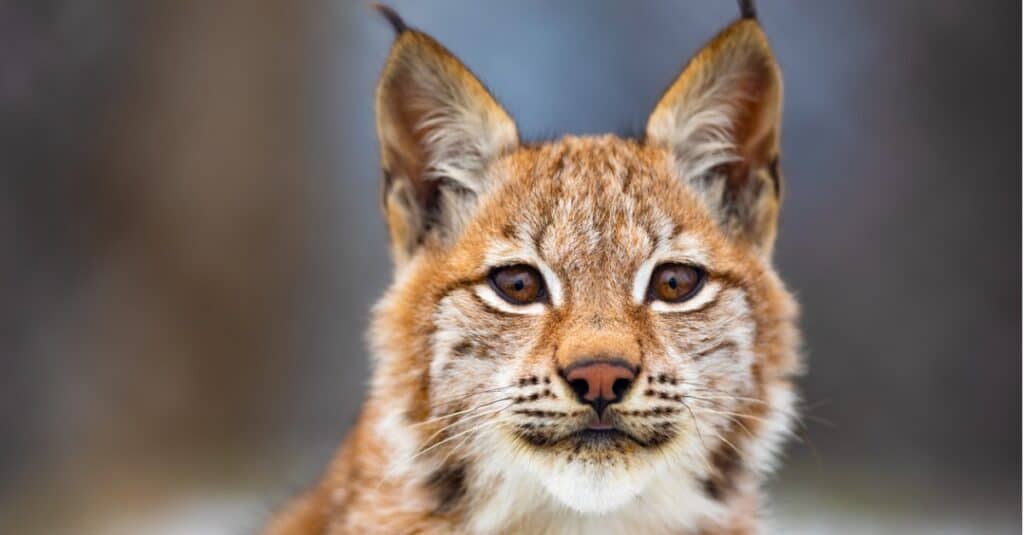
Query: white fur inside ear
[
  {"x": 705, "y": 110},
  {"x": 489, "y": 296}
]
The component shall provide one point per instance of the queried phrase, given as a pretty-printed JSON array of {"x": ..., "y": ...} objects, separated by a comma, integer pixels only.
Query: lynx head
[{"x": 590, "y": 314}]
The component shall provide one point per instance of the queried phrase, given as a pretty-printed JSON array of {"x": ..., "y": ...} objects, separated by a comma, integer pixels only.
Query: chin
[
  {"x": 595, "y": 473},
  {"x": 595, "y": 487}
]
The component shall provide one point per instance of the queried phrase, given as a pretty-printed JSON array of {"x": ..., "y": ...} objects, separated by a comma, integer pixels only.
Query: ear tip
[
  {"x": 747, "y": 9},
  {"x": 392, "y": 17},
  {"x": 746, "y": 30}
]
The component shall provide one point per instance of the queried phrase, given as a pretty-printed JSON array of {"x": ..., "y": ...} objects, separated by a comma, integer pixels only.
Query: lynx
[{"x": 584, "y": 335}]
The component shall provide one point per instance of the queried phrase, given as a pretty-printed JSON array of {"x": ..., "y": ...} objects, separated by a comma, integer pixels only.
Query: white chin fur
[{"x": 593, "y": 489}]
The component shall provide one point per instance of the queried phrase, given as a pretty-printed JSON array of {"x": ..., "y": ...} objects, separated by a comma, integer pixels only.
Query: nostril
[
  {"x": 599, "y": 382},
  {"x": 620, "y": 386},
  {"x": 580, "y": 387}
]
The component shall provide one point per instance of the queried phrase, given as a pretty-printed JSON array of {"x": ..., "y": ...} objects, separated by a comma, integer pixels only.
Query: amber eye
[
  {"x": 519, "y": 284},
  {"x": 674, "y": 283}
]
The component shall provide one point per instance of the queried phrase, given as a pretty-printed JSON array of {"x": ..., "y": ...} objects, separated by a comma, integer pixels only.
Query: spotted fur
[{"x": 469, "y": 426}]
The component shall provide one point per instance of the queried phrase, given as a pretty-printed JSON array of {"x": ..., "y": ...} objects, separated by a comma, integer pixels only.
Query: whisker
[
  {"x": 455, "y": 448},
  {"x": 736, "y": 398},
  {"x": 736, "y": 414},
  {"x": 709, "y": 400},
  {"x": 467, "y": 419},
  {"x": 740, "y": 423},
  {"x": 696, "y": 425},
  {"x": 390, "y": 473},
  {"x": 731, "y": 395},
  {"x": 742, "y": 456},
  {"x": 444, "y": 401},
  {"x": 445, "y": 441},
  {"x": 800, "y": 438},
  {"x": 424, "y": 451},
  {"x": 765, "y": 421},
  {"x": 793, "y": 414},
  {"x": 800, "y": 414},
  {"x": 458, "y": 413}
]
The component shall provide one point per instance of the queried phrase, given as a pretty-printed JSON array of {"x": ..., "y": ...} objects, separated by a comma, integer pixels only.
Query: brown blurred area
[{"x": 190, "y": 242}]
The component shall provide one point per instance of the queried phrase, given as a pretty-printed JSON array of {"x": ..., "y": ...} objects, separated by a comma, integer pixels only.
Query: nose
[{"x": 600, "y": 383}]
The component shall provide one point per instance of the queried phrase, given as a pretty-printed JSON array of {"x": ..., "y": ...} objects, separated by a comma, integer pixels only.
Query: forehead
[{"x": 585, "y": 202}]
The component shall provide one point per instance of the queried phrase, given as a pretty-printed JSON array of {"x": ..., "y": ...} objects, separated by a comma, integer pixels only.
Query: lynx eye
[
  {"x": 519, "y": 284},
  {"x": 675, "y": 283}
]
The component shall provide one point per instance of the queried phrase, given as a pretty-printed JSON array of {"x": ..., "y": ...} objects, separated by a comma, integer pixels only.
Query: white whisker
[{"x": 441, "y": 417}]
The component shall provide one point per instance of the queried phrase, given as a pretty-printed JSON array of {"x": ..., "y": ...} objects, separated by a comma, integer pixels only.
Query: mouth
[
  {"x": 602, "y": 431},
  {"x": 595, "y": 435},
  {"x": 599, "y": 424},
  {"x": 600, "y": 436}
]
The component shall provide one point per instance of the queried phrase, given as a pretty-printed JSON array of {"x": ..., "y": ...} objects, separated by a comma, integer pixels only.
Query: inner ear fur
[
  {"x": 439, "y": 129},
  {"x": 720, "y": 120}
]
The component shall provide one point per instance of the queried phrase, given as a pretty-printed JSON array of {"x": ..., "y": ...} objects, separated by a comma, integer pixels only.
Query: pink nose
[{"x": 600, "y": 383}]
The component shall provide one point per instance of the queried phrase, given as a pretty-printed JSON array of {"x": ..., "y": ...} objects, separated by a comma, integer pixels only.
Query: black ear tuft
[
  {"x": 747, "y": 9},
  {"x": 392, "y": 17}
]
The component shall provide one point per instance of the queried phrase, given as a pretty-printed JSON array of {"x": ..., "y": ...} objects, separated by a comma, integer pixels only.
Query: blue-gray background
[{"x": 190, "y": 241}]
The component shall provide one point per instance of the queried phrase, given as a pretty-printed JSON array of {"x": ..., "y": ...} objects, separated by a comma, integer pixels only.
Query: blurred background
[{"x": 190, "y": 242}]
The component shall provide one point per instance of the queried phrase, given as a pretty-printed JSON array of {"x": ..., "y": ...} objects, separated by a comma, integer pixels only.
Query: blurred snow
[{"x": 220, "y": 515}]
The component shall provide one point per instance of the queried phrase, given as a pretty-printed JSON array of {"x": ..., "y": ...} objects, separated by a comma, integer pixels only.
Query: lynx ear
[
  {"x": 720, "y": 120},
  {"x": 439, "y": 129}
]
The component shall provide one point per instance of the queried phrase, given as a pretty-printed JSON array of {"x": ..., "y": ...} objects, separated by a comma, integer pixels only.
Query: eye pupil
[
  {"x": 519, "y": 285},
  {"x": 673, "y": 283}
]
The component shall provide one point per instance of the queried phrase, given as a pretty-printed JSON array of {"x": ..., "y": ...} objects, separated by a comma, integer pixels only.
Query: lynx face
[{"x": 595, "y": 317}]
